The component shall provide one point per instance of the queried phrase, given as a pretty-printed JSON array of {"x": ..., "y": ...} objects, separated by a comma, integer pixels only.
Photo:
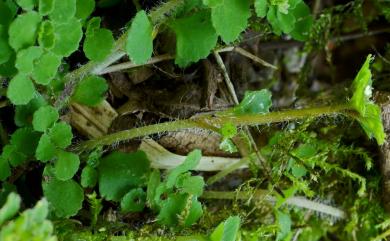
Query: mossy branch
[{"x": 214, "y": 122}]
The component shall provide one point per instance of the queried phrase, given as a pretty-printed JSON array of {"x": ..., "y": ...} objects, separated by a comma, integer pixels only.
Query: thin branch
[
  {"x": 247, "y": 54},
  {"x": 130, "y": 64}
]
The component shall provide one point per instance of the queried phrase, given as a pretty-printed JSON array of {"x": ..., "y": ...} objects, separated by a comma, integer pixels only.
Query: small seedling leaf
[
  {"x": 90, "y": 91},
  {"x": 133, "y": 201},
  {"x": 44, "y": 118},
  {"x": 66, "y": 165}
]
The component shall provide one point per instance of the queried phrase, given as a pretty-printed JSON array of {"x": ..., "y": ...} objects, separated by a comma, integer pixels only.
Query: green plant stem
[
  {"x": 157, "y": 16},
  {"x": 260, "y": 195},
  {"x": 213, "y": 122}
]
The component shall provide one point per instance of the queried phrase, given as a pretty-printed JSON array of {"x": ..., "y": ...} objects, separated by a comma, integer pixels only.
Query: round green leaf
[
  {"x": 89, "y": 177},
  {"x": 63, "y": 11},
  {"x": 84, "y": 8},
  {"x": 261, "y": 8},
  {"x": 20, "y": 89},
  {"x": 61, "y": 134},
  {"x": 139, "y": 44},
  {"x": 23, "y": 30},
  {"x": 25, "y": 59},
  {"x": 273, "y": 20},
  {"x": 99, "y": 44},
  {"x": 26, "y": 4},
  {"x": 90, "y": 90},
  {"x": 254, "y": 102},
  {"x": 67, "y": 37},
  {"x": 46, "y": 150},
  {"x": 8, "y": 69},
  {"x": 134, "y": 201},
  {"x": 66, "y": 197},
  {"x": 66, "y": 165},
  {"x": 44, "y": 118},
  {"x": 304, "y": 22},
  {"x": 286, "y": 21},
  {"x": 231, "y": 18},
  {"x": 46, "y": 68},
  {"x": 119, "y": 172},
  {"x": 45, "y": 7},
  {"x": 93, "y": 25},
  {"x": 195, "y": 38}
]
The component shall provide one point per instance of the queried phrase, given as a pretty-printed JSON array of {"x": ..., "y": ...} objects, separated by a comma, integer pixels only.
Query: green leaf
[
  {"x": 67, "y": 37},
  {"x": 25, "y": 59},
  {"x": 44, "y": 118},
  {"x": 228, "y": 130},
  {"x": 8, "y": 69},
  {"x": 140, "y": 32},
  {"x": 304, "y": 22},
  {"x": 284, "y": 222},
  {"x": 24, "y": 113},
  {"x": 286, "y": 21},
  {"x": 227, "y": 230},
  {"x": 13, "y": 156},
  {"x": 191, "y": 184},
  {"x": 372, "y": 123},
  {"x": 361, "y": 87},
  {"x": 66, "y": 197},
  {"x": 27, "y": 5},
  {"x": 10, "y": 208},
  {"x": 46, "y": 7},
  {"x": 193, "y": 214},
  {"x": 212, "y": 3},
  {"x": 45, "y": 68},
  {"x": 119, "y": 172},
  {"x": 231, "y": 18},
  {"x": 273, "y": 20},
  {"x": 133, "y": 201},
  {"x": 254, "y": 102},
  {"x": 6, "y": 50},
  {"x": 228, "y": 145},
  {"x": 261, "y": 8},
  {"x": 89, "y": 177},
  {"x": 20, "y": 90},
  {"x": 191, "y": 161},
  {"x": 93, "y": 25},
  {"x": 63, "y": 11},
  {"x": 6, "y": 14},
  {"x": 90, "y": 91},
  {"x": 61, "y": 134},
  {"x": 153, "y": 183},
  {"x": 46, "y": 36},
  {"x": 66, "y": 165},
  {"x": 25, "y": 140},
  {"x": 23, "y": 30},
  {"x": 195, "y": 37},
  {"x": 5, "y": 170},
  {"x": 84, "y": 8},
  {"x": 369, "y": 113},
  {"x": 46, "y": 150},
  {"x": 98, "y": 45},
  {"x": 181, "y": 207}
]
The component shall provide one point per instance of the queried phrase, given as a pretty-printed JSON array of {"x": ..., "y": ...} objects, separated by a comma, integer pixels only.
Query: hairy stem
[
  {"x": 297, "y": 201},
  {"x": 213, "y": 122}
]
